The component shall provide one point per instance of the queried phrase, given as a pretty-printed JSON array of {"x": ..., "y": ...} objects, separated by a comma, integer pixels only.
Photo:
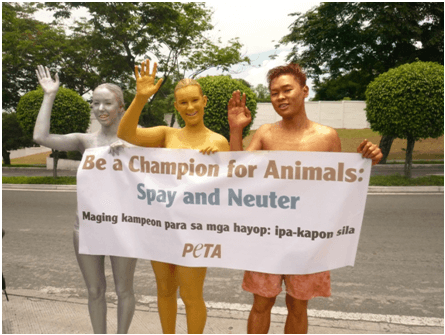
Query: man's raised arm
[{"x": 239, "y": 117}]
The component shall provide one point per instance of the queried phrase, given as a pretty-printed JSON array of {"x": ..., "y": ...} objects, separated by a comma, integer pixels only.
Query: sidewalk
[{"x": 34, "y": 312}]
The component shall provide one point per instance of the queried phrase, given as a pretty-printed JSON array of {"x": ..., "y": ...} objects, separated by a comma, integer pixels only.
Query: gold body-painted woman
[{"x": 190, "y": 103}]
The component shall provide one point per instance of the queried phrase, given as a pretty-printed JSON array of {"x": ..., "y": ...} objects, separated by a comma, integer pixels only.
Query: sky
[{"x": 259, "y": 26}]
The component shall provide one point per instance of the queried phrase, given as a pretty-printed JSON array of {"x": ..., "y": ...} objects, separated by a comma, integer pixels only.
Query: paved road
[
  {"x": 399, "y": 265},
  {"x": 389, "y": 169}
]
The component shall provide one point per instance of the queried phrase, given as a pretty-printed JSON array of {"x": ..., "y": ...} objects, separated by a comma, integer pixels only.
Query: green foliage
[
  {"x": 398, "y": 180},
  {"x": 352, "y": 85},
  {"x": 395, "y": 180},
  {"x": 153, "y": 114},
  {"x": 70, "y": 113},
  {"x": 12, "y": 134},
  {"x": 354, "y": 42},
  {"x": 40, "y": 180},
  {"x": 262, "y": 93},
  {"x": 26, "y": 43},
  {"x": 218, "y": 90},
  {"x": 73, "y": 155},
  {"x": 408, "y": 101},
  {"x": 120, "y": 35}
]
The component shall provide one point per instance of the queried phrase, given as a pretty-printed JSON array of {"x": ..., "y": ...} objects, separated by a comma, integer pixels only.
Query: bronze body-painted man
[{"x": 295, "y": 131}]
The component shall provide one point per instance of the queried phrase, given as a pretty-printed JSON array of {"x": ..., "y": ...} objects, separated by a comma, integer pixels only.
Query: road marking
[
  {"x": 38, "y": 190},
  {"x": 322, "y": 314},
  {"x": 412, "y": 193},
  {"x": 392, "y": 319}
]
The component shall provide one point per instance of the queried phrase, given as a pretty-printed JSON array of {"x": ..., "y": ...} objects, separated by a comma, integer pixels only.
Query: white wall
[
  {"x": 28, "y": 151},
  {"x": 335, "y": 114}
]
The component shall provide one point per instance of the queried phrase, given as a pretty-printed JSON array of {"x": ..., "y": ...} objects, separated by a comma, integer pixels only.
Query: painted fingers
[
  {"x": 44, "y": 76},
  {"x": 145, "y": 69},
  {"x": 239, "y": 115},
  {"x": 145, "y": 81},
  {"x": 209, "y": 150},
  {"x": 370, "y": 150},
  {"x": 235, "y": 101}
]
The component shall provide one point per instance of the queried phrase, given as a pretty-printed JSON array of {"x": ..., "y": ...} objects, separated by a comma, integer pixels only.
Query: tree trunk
[
  {"x": 409, "y": 156},
  {"x": 55, "y": 161},
  {"x": 5, "y": 155},
  {"x": 172, "y": 121},
  {"x": 385, "y": 146}
]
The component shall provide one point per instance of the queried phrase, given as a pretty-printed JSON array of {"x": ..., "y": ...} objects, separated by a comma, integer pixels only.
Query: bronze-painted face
[{"x": 287, "y": 95}]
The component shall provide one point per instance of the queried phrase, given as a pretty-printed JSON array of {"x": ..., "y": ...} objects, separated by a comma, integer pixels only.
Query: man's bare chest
[{"x": 295, "y": 143}]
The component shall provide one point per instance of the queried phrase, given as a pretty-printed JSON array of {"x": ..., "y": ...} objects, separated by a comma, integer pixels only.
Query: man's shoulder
[
  {"x": 321, "y": 130},
  {"x": 326, "y": 137},
  {"x": 265, "y": 128}
]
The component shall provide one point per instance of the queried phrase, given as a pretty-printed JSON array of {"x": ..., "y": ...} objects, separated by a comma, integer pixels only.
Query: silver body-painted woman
[{"x": 108, "y": 107}]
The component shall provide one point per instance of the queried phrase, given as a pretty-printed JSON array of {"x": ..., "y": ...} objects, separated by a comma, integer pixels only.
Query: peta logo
[{"x": 206, "y": 250}]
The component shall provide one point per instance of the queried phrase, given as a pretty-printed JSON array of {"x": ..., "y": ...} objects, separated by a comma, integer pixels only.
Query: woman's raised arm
[
  {"x": 69, "y": 142},
  {"x": 128, "y": 130}
]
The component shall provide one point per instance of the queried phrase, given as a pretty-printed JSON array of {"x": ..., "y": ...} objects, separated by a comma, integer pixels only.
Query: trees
[
  {"x": 107, "y": 46},
  {"x": 262, "y": 93},
  {"x": 343, "y": 46},
  {"x": 70, "y": 114},
  {"x": 218, "y": 90},
  {"x": 124, "y": 34},
  {"x": 13, "y": 137},
  {"x": 25, "y": 44},
  {"x": 370, "y": 37},
  {"x": 408, "y": 102}
]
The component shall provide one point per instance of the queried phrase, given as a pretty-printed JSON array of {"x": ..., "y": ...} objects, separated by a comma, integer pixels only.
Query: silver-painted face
[{"x": 105, "y": 106}]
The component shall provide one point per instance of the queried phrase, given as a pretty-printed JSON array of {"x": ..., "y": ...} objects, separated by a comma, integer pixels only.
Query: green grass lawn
[
  {"x": 40, "y": 180},
  {"x": 394, "y": 180},
  {"x": 429, "y": 151}
]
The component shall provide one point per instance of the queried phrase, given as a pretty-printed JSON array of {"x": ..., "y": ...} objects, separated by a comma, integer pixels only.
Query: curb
[
  {"x": 67, "y": 313},
  {"x": 405, "y": 189},
  {"x": 40, "y": 187},
  {"x": 371, "y": 189}
]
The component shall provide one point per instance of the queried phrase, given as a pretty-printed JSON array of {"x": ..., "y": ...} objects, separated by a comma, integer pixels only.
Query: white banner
[{"x": 283, "y": 212}]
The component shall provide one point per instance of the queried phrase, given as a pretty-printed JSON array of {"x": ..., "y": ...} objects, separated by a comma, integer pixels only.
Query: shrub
[
  {"x": 70, "y": 112},
  {"x": 218, "y": 90},
  {"x": 407, "y": 102},
  {"x": 73, "y": 155}
]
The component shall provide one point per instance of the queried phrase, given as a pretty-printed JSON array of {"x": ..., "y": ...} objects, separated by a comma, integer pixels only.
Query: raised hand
[
  {"x": 49, "y": 86},
  {"x": 145, "y": 82},
  {"x": 238, "y": 114},
  {"x": 370, "y": 150}
]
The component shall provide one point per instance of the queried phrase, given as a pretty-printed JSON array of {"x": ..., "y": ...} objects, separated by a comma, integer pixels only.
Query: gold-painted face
[
  {"x": 287, "y": 95},
  {"x": 190, "y": 103}
]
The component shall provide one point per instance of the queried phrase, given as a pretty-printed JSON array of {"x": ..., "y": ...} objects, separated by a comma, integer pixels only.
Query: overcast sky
[{"x": 259, "y": 26}]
